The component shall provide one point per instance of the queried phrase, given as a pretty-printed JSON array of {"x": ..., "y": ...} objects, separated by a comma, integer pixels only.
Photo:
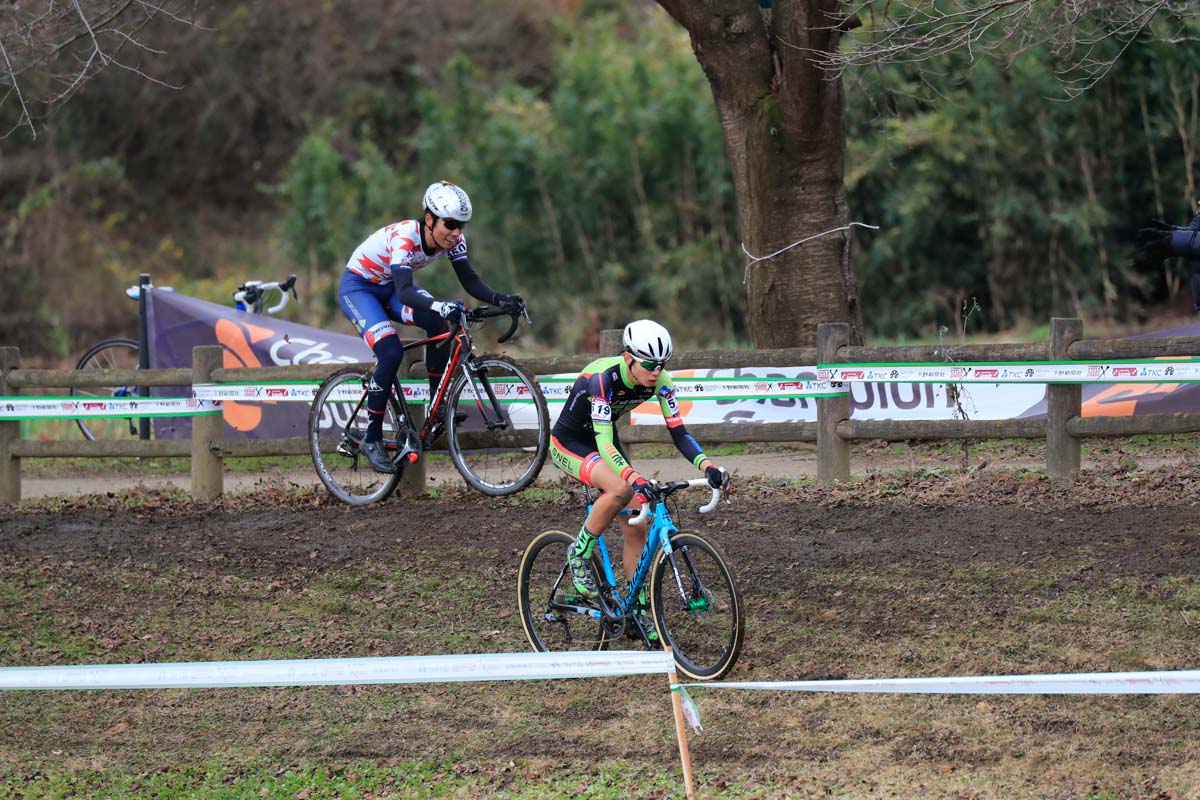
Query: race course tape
[
  {"x": 340, "y": 671},
  {"x": 545, "y": 666},
  {"x": 1176, "y": 370},
  {"x": 43, "y": 407},
  {"x": 1164, "y": 682}
]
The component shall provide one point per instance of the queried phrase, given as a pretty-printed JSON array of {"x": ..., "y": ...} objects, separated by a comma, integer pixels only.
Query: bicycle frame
[
  {"x": 658, "y": 538},
  {"x": 462, "y": 345}
]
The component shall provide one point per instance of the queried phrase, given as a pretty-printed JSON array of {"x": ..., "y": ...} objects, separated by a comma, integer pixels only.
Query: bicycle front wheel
[
  {"x": 497, "y": 426},
  {"x": 109, "y": 354},
  {"x": 553, "y": 616},
  {"x": 336, "y": 426},
  {"x": 698, "y": 607}
]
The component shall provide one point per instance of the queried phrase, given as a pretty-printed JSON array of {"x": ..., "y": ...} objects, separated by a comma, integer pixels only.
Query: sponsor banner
[
  {"x": 341, "y": 671},
  {"x": 715, "y": 386},
  {"x": 177, "y": 323},
  {"x": 555, "y": 388},
  {"x": 1184, "y": 370},
  {"x": 46, "y": 407},
  {"x": 867, "y": 400},
  {"x": 1163, "y": 682}
]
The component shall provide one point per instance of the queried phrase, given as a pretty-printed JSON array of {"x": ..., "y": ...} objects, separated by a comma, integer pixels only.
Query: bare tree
[
  {"x": 1087, "y": 37},
  {"x": 50, "y": 48},
  {"x": 775, "y": 67}
]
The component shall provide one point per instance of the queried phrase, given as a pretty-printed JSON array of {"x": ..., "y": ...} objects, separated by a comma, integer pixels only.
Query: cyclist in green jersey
[{"x": 584, "y": 444}]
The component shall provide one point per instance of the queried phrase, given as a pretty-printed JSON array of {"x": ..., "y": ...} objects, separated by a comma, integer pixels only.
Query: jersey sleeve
[
  {"x": 684, "y": 443},
  {"x": 468, "y": 277},
  {"x": 402, "y": 277}
]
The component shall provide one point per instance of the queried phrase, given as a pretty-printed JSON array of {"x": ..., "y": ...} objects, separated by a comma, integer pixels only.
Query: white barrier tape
[
  {"x": 45, "y": 407},
  {"x": 340, "y": 671},
  {"x": 1161, "y": 371},
  {"x": 556, "y": 389},
  {"x": 414, "y": 392},
  {"x": 1165, "y": 682}
]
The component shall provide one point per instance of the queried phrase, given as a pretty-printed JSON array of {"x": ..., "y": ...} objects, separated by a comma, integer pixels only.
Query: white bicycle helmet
[
  {"x": 648, "y": 340},
  {"x": 444, "y": 199}
]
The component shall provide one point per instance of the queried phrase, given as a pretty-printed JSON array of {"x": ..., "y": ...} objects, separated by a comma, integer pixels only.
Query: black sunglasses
[{"x": 452, "y": 224}]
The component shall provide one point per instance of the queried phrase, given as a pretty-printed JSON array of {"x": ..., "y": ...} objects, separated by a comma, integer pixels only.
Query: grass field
[{"x": 898, "y": 575}]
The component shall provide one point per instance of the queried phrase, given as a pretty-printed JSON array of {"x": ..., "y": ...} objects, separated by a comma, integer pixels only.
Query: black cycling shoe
[{"x": 377, "y": 457}]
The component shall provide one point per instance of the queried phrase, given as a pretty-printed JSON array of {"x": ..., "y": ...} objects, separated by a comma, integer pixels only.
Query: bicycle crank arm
[{"x": 584, "y": 611}]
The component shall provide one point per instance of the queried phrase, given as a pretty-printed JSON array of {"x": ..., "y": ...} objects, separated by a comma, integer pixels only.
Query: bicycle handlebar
[
  {"x": 481, "y": 313},
  {"x": 251, "y": 293},
  {"x": 665, "y": 490}
]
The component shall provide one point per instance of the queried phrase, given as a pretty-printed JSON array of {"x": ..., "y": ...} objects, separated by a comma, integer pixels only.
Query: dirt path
[
  {"x": 893, "y": 576},
  {"x": 784, "y": 463}
]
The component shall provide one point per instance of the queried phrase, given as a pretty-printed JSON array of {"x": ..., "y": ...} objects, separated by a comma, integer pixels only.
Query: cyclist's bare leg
[
  {"x": 634, "y": 537},
  {"x": 615, "y": 494}
]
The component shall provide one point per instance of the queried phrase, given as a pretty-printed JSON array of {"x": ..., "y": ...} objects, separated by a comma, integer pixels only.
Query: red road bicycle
[{"x": 490, "y": 409}]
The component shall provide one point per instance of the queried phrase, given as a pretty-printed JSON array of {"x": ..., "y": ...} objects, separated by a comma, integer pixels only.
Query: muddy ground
[{"x": 992, "y": 572}]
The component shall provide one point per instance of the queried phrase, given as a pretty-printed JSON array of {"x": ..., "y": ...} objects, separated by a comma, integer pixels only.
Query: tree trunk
[{"x": 782, "y": 121}]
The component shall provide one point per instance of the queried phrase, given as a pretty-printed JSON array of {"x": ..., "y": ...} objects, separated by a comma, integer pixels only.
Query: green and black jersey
[{"x": 602, "y": 394}]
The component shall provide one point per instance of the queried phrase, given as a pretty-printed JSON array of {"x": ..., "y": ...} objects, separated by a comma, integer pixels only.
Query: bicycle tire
[
  {"x": 500, "y": 462},
  {"x": 705, "y": 629},
  {"x": 542, "y": 580},
  {"x": 116, "y": 353},
  {"x": 336, "y": 425}
]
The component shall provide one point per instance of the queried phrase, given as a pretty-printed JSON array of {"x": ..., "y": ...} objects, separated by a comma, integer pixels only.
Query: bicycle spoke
[
  {"x": 109, "y": 354},
  {"x": 497, "y": 427},
  {"x": 703, "y": 622},
  {"x": 550, "y": 609},
  {"x": 337, "y": 424}
]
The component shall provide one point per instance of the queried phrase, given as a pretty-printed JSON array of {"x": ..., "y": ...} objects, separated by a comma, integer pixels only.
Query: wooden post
[
  {"x": 610, "y": 341},
  {"x": 10, "y": 431},
  {"x": 611, "y": 345},
  {"x": 685, "y": 757},
  {"x": 412, "y": 479},
  {"x": 207, "y": 431},
  {"x": 833, "y": 452},
  {"x": 1064, "y": 402}
]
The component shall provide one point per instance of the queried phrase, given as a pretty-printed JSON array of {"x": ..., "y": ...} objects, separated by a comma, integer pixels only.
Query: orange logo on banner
[
  {"x": 236, "y": 339},
  {"x": 651, "y": 405},
  {"x": 1121, "y": 400}
]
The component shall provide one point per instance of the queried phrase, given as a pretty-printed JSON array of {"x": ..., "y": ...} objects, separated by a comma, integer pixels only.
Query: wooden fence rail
[{"x": 1063, "y": 427}]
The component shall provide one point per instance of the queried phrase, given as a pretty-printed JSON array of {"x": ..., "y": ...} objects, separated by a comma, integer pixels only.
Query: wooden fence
[{"x": 834, "y": 430}]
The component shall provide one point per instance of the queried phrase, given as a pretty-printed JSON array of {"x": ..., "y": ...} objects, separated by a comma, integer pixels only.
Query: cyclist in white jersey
[{"x": 377, "y": 289}]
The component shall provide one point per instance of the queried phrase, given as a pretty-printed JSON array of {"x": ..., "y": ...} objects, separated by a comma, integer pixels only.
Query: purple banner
[
  {"x": 177, "y": 323},
  {"x": 1127, "y": 399}
]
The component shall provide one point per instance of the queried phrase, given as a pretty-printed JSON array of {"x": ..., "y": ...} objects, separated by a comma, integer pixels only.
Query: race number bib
[{"x": 601, "y": 410}]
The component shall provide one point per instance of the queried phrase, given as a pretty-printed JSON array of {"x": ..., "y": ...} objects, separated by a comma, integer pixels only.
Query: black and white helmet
[
  {"x": 444, "y": 199},
  {"x": 647, "y": 340}
]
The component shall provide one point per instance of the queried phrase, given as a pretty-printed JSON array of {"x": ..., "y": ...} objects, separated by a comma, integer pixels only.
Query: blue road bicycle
[{"x": 695, "y": 601}]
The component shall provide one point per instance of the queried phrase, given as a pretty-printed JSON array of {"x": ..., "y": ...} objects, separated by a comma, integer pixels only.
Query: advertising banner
[{"x": 177, "y": 323}]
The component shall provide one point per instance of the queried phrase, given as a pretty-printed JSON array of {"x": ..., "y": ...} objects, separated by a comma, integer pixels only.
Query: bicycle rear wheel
[
  {"x": 699, "y": 608},
  {"x": 336, "y": 426},
  {"x": 497, "y": 426},
  {"x": 109, "y": 354},
  {"x": 550, "y": 611}
]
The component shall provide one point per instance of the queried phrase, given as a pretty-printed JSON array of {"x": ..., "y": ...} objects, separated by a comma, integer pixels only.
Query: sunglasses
[
  {"x": 651, "y": 366},
  {"x": 452, "y": 224}
]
